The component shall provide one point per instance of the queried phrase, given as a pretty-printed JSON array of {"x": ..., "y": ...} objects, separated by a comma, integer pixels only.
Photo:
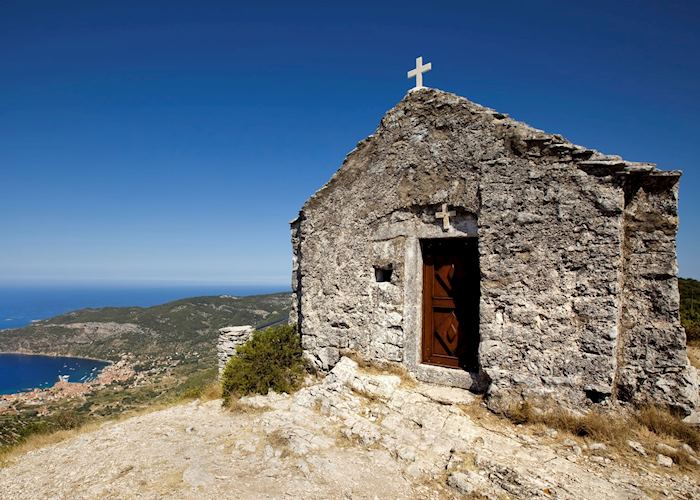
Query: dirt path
[{"x": 354, "y": 435}]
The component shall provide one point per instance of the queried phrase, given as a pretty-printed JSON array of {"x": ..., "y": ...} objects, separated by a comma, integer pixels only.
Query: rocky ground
[{"x": 355, "y": 434}]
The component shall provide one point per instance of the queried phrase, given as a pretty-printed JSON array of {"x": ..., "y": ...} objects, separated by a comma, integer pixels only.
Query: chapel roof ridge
[{"x": 588, "y": 158}]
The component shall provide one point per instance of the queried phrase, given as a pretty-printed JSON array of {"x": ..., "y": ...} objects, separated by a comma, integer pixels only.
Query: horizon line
[{"x": 144, "y": 282}]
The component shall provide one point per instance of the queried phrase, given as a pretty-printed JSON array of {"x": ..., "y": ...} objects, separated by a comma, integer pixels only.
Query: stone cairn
[{"x": 230, "y": 337}]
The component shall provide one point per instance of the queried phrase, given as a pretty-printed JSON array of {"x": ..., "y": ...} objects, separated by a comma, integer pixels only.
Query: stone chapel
[{"x": 482, "y": 253}]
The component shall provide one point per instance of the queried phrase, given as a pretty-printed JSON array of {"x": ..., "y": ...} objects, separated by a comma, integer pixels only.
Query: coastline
[
  {"x": 59, "y": 355},
  {"x": 105, "y": 365},
  {"x": 121, "y": 370}
]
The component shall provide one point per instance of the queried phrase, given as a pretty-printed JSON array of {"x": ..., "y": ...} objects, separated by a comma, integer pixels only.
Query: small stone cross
[
  {"x": 445, "y": 215},
  {"x": 418, "y": 72}
]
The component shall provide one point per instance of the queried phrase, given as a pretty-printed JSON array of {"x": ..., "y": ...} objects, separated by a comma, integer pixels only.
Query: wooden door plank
[{"x": 450, "y": 306}]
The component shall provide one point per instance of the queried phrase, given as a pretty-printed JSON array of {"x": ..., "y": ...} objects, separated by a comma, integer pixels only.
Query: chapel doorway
[{"x": 451, "y": 303}]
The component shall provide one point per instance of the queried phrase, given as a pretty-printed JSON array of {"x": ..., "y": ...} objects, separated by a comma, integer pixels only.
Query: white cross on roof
[{"x": 418, "y": 72}]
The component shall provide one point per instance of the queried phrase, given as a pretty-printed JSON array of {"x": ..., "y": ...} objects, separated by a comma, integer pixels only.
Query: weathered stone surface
[
  {"x": 665, "y": 449},
  {"x": 693, "y": 418},
  {"x": 230, "y": 337},
  {"x": 653, "y": 364},
  {"x": 446, "y": 395},
  {"x": 637, "y": 446},
  {"x": 686, "y": 448},
  {"x": 578, "y": 293},
  {"x": 664, "y": 461},
  {"x": 597, "y": 447},
  {"x": 468, "y": 483}
]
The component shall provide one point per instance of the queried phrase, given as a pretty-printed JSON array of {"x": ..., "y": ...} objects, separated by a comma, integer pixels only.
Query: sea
[
  {"x": 22, "y": 304},
  {"x": 22, "y": 372}
]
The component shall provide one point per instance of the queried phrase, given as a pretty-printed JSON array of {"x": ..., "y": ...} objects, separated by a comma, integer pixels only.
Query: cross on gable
[
  {"x": 418, "y": 72},
  {"x": 445, "y": 215}
]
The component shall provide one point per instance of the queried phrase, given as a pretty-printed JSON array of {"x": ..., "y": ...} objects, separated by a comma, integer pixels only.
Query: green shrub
[{"x": 270, "y": 360}]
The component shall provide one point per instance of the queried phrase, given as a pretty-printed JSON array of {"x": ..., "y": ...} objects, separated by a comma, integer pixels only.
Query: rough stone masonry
[
  {"x": 230, "y": 337},
  {"x": 578, "y": 289}
]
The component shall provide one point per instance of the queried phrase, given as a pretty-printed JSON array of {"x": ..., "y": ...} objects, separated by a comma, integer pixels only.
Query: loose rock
[
  {"x": 665, "y": 449},
  {"x": 636, "y": 446},
  {"x": 468, "y": 483}
]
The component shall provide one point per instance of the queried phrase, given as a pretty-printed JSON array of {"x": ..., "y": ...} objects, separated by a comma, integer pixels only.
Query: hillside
[
  {"x": 690, "y": 307},
  {"x": 184, "y": 330},
  {"x": 163, "y": 353}
]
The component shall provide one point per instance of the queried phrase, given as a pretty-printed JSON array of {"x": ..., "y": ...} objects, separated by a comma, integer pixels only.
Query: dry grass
[
  {"x": 168, "y": 483},
  {"x": 211, "y": 391},
  {"x": 237, "y": 406},
  {"x": 475, "y": 495},
  {"x": 682, "y": 458},
  {"x": 597, "y": 425},
  {"x": 649, "y": 425},
  {"x": 481, "y": 415},
  {"x": 380, "y": 367},
  {"x": 370, "y": 397},
  {"x": 662, "y": 423},
  {"x": 694, "y": 353},
  {"x": 343, "y": 440},
  {"x": 279, "y": 441}
]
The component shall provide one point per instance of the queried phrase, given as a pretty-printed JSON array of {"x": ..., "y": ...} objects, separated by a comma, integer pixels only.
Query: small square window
[{"x": 382, "y": 274}]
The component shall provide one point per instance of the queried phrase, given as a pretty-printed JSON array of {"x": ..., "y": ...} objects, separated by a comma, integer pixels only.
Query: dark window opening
[
  {"x": 596, "y": 396},
  {"x": 383, "y": 274}
]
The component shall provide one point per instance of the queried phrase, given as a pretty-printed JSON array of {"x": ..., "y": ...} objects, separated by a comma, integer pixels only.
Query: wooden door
[{"x": 451, "y": 302}]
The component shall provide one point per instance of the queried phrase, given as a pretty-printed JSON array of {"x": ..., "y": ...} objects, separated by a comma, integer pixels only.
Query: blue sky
[{"x": 167, "y": 140}]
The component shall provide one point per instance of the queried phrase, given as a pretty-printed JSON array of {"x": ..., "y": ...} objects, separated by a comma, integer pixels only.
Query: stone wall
[
  {"x": 552, "y": 224},
  {"x": 230, "y": 338},
  {"x": 653, "y": 363}
]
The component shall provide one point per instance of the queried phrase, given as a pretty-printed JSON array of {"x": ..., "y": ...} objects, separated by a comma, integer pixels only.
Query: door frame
[
  {"x": 429, "y": 304},
  {"x": 413, "y": 309}
]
